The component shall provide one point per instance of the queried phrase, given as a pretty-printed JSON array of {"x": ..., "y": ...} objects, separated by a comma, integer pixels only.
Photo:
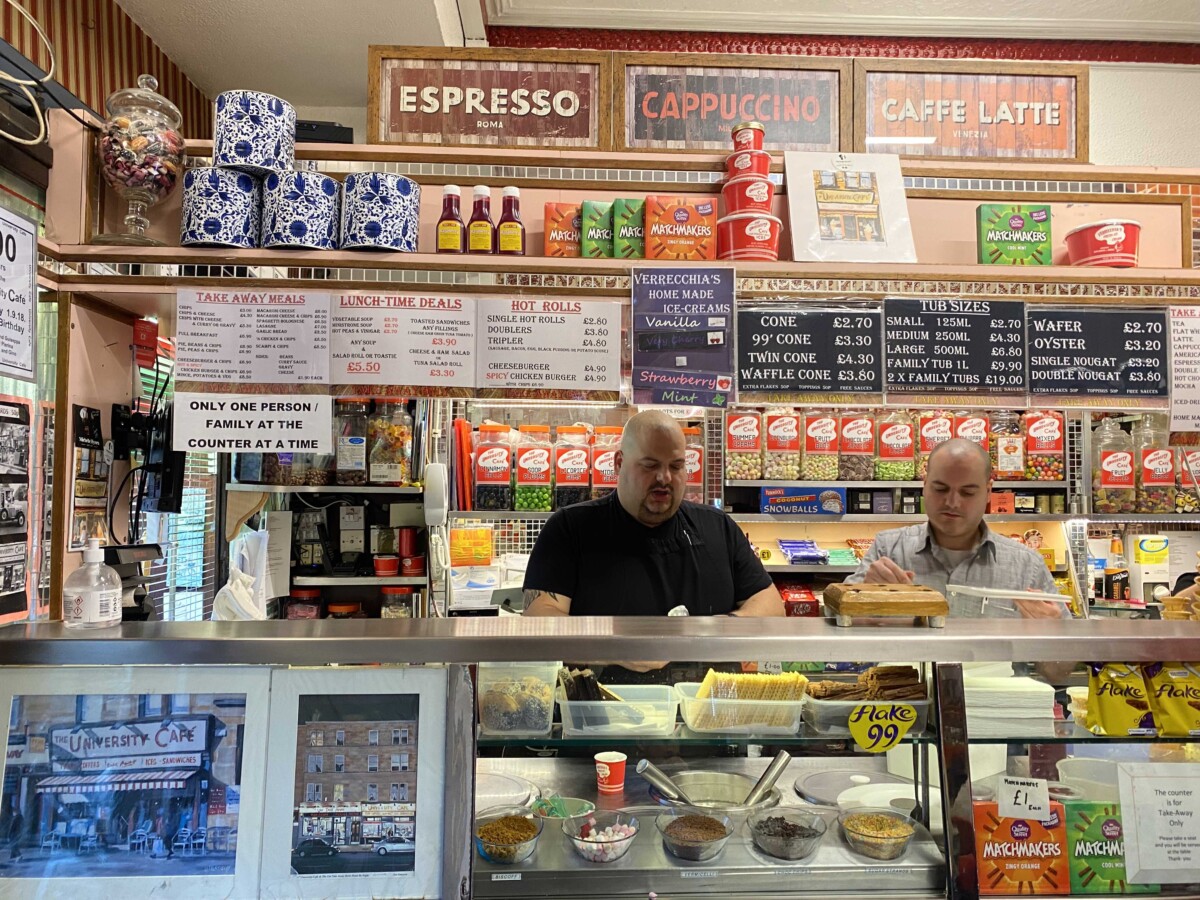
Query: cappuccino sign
[{"x": 494, "y": 98}]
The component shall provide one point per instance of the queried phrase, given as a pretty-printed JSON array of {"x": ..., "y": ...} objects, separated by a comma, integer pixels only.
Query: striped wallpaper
[{"x": 99, "y": 49}]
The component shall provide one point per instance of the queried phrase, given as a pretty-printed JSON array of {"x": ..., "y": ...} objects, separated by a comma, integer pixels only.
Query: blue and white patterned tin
[
  {"x": 220, "y": 208},
  {"x": 380, "y": 212},
  {"x": 255, "y": 133},
  {"x": 300, "y": 209}
]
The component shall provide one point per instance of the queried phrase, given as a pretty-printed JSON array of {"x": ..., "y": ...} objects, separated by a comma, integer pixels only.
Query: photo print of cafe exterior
[{"x": 356, "y": 770}]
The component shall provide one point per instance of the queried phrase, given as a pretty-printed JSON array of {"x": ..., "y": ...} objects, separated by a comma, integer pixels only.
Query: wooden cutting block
[{"x": 884, "y": 600}]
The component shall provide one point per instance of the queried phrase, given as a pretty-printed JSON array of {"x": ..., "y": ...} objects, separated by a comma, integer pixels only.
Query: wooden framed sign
[
  {"x": 691, "y": 101},
  {"x": 940, "y": 109},
  {"x": 560, "y": 99}
]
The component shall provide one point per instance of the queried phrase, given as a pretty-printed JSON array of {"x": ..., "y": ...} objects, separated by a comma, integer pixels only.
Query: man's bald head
[
  {"x": 651, "y": 467},
  {"x": 960, "y": 449},
  {"x": 956, "y": 489},
  {"x": 641, "y": 426}
]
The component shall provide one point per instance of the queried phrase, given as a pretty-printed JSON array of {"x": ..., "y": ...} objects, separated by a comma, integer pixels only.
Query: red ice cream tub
[
  {"x": 748, "y": 135},
  {"x": 748, "y": 236},
  {"x": 747, "y": 162},
  {"x": 749, "y": 193},
  {"x": 1113, "y": 242}
]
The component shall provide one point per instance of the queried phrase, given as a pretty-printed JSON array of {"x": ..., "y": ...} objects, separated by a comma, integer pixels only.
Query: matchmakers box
[{"x": 818, "y": 501}]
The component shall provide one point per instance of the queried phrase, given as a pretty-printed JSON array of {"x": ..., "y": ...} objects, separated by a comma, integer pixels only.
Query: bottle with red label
[
  {"x": 1045, "y": 445},
  {"x": 934, "y": 426},
  {"x": 1155, "y": 465},
  {"x": 856, "y": 446},
  {"x": 572, "y": 466},
  {"x": 534, "y": 468},
  {"x": 1114, "y": 481},
  {"x": 896, "y": 459},
  {"x": 820, "y": 459},
  {"x": 606, "y": 443},
  {"x": 781, "y": 446},
  {"x": 973, "y": 426},
  {"x": 694, "y": 465},
  {"x": 493, "y": 468},
  {"x": 743, "y": 445}
]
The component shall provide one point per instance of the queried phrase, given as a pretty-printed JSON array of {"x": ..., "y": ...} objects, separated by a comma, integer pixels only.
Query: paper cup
[
  {"x": 387, "y": 565},
  {"x": 610, "y": 772}
]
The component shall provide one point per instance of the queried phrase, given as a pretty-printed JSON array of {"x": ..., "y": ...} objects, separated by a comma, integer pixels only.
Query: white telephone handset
[{"x": 437, "y": 503}]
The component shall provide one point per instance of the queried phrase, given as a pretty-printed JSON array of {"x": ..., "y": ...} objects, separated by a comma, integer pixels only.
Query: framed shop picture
[
  {"x": 356, "y": 804},
  {"x": 950, "y": 109},
  {"x": 133, "y": 781},
  {"x": 681, "y": 102},
  {"x": 477, "y": 97}
]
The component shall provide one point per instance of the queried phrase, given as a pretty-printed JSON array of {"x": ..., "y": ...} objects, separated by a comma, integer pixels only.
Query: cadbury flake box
[
  {"x": 1014, "y": 235},
  {"x": 1021, "y": 857},
  {"x": 563, "y": 223},
  {"x": 629, "y": 234},
  {"x": 1096, "y": 850},
  {"x": 596, "y": 241}
]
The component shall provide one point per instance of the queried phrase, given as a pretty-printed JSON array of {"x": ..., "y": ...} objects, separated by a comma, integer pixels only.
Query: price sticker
[
  {"x": 878, "y": 727},
  {"x": 1024, "y": 798}
]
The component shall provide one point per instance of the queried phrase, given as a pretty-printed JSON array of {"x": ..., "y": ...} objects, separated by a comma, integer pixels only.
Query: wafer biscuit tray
[{"x": 846, "y": 602}]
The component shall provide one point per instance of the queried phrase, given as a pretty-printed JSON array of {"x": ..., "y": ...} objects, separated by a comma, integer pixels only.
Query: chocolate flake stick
[
  {"x": 995, "y": 253},
  {"x": 1089, "y": 875},
  {"x": 996, "y": 876}
]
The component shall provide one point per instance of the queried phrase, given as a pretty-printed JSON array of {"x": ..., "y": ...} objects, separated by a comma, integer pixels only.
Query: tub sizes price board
[
  {"x": 549, "y": 345},
  {"x": 403, "y": 340},
  {"x": 795, "y": 350},
  {"x": 948, "y": 345},
  {"x": 1098, "y": 352}
]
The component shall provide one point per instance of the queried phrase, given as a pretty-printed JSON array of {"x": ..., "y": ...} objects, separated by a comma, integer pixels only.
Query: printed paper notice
[
  {"x": 1185, "y": 368},
  {"x": 18, "y": 295},
  {"x": 403, "y": 340},
  {"x": 249, "y": 423},
  {"x": 252, "y": 337},
  {"x": 549, "y": 345},
  {"x": 1161, "y": 805}
]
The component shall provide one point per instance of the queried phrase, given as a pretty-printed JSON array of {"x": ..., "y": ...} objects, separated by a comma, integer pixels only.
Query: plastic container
[
  {"x": 502, "y": 853},
  {"x": 711, "y": 716},
  {"x": 748, "y": 194},
  {"x": 748, "y": 135},
  {"x": 601, "y": 836},
  {"x": 896, "y": 459},
  {"x": 775, "y": 832},
  {"x": 397, "y": 602},
  {"x": 304, "y": 603},
  {"x": 868, "y": 835},
  {"x": 277, "y": 468},
  {"x": 934, "y": 426},
  {"x": 386, "y": 564},
  {"x": 389, "y": 437},
  {"x": 451, "y": 231},
  {"x": 1114, "y": 480},
  {"x": 516, "y": 698},
  {"x": 1113, "y": 242},
  {"x": 481, "y": 233},
  {"x": 647, "y": 709},
  {"x": 534, "y": 464},
  {"x": 562, "y": 807},
  {"x": 781, "y": 446},
  {"x": 1187, "y": 476},
  {"x": 749, "y": 235},
  {"x": 606, "y": 441},
  {"x": 974, "y": 426},
  {"x": 1045, "y": 445},
  {"x": 743, "y": 445},
  {"x": 856, "y": 446},
  {"x": 685, "y": 848},
  {"x": 510, "y": 231},
  {"x": 833, "y": 716},
  {"x": 693, "y": 465},
  {"x": 345, "y": 610},
  {"x": 747, "y": 162},
  {"x": 91, "y": 595},
  {"x": 1006, "y": 446},
  {"x": 1155, "y": 463},
  {"x": 572, "y": 466},
  {"x": 819, "y": 462},
  {"x": 350, "y": 430},
  {"x": 493, "y": 468}
]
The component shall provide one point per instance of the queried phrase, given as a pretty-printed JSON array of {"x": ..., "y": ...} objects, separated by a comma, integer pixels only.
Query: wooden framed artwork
[
  {"x": 682, "y": 102},
  {"x": 556, "y": 99},
  {"x": 942, "y": 109}
]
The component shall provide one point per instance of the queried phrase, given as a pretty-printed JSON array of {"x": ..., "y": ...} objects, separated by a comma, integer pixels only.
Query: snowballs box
[
  {"x": 1014, "y": 235},
  {"x": 1019, "y": 857},
  {"x": 822, "y": 501}
]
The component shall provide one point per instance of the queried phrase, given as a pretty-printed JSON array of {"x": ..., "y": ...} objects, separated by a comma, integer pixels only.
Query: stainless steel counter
[{"x": 555, "y": 870}]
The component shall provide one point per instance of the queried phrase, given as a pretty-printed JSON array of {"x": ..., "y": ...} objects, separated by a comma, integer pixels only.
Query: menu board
[
  {"x": 549, "y": 345},
  {"x": 1098, "y": 352},
  {"x": 797, "y": 350},
  {"x": 949, "y": 345},
  {"x": 252, "y": 337},
  {"x": 403, "y": 340},
  {"x": 1185, "y": 368}
]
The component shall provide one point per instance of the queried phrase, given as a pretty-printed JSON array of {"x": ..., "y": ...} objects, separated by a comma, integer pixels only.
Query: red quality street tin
[
  {"x": 749, "y": 193},
  {"x": 747, "y": 162},
  {"x": 1113, "y": 242},
  {"x": 748, "y": 236},
  {"x": 749, "y": 135}
]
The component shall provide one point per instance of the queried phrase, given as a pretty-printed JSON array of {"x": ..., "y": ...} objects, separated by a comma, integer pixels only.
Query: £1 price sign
[{"x": 878, "y": 727}]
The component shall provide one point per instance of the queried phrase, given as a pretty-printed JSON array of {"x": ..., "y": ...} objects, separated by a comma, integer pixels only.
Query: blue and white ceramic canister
[
  {"x": 380, "y": 212},
  {"x": 220, "y": 208},
  {"x": 255, "y": 133},
  {"x": 300, "y": 209}
]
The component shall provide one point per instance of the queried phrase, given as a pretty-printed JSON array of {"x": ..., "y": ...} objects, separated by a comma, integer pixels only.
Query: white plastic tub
[
  {"x": 649, "y": 709},
  {"x": 833, "y": 716},
  {"x": 711, "y": 716}
]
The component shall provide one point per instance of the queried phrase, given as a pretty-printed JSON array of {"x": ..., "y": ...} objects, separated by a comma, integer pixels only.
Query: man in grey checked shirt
[{"x": 956, "y": 547}]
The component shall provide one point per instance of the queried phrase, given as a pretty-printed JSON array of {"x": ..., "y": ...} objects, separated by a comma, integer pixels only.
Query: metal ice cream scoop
[
  {"x": 769, "y": 777},
  {"x": 662, "y": 781}
]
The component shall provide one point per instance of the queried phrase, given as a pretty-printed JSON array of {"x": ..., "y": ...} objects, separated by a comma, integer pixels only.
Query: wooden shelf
[
  {"x": 319, "y": 489},
  {"x": 358, "y": 580}
]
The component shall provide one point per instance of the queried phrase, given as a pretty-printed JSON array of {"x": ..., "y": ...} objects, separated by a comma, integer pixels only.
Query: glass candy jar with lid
[
  {"x": 141, "y": 154},
  {"x": 350, "y": 439},
  {"x": 389, "y": 439}
]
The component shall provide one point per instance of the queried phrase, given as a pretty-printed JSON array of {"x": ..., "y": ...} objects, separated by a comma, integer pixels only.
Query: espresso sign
[
  {"x": 494, "y": 98},
  {"x": 972, "y": 110},
  {"x": 691, "y": 102}
]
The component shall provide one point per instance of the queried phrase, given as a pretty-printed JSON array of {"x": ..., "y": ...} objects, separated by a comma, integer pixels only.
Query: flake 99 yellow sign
[{"x": 878, "y": 727}]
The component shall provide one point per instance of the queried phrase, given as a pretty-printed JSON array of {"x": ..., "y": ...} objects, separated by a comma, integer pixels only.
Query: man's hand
[
  {"x": 642, "y": 666},
  {"x": 1038, "y": 609},
  {"x": 884, "y": 571}
]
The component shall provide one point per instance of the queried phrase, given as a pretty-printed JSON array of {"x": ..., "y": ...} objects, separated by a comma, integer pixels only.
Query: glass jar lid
[{"x": 144, "y": 98}]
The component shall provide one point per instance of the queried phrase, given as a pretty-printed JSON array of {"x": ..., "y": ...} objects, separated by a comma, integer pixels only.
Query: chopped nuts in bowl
[{"x": 877, "y": 833}]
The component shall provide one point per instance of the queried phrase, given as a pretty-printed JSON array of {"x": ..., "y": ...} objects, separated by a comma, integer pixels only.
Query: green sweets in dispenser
[
  {"x": 596, "y": 241},
  {"x": 629, "y": 235}
]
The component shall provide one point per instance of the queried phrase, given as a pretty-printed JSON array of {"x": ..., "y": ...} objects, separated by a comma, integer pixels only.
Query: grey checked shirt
[{"x": 998, "y": 562}]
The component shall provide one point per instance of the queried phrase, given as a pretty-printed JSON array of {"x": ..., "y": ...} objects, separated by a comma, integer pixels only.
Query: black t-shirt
[{"x": 610, "y": 564}]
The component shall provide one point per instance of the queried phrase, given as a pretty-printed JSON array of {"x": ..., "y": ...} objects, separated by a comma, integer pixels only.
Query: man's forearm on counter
[
  {"x": 546, "y": 603},
  {"x": 766, "y": 602}
]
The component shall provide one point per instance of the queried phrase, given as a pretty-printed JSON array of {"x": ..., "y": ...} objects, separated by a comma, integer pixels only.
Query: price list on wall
[
  {"x": 945, "y": 345},
  {"x": 1098, "y": 352},
  {"x": 796, "y": 350}
]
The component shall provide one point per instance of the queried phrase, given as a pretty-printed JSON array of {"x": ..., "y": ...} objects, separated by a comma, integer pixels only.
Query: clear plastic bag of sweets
[
  {"x": 820, "y": 459},
  {"x": 743, "y": 445}
]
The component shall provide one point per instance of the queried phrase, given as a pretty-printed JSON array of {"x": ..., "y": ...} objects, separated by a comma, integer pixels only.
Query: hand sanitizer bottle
[{"x": 92, "y": 593}]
